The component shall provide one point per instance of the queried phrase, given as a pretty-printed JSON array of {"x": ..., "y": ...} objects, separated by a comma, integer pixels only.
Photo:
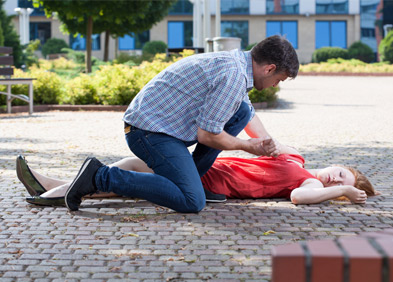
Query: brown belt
[{"x": 127, "y": 129}]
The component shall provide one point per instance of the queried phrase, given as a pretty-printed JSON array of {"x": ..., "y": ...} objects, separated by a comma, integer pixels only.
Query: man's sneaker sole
[{"x": 215, "y": 201}]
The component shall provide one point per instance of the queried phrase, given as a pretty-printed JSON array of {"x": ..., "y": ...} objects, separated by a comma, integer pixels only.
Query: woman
[{"x": 262, "y": 177}]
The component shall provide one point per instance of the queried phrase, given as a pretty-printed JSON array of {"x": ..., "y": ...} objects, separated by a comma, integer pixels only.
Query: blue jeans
[{"x": 176, "y": 182}]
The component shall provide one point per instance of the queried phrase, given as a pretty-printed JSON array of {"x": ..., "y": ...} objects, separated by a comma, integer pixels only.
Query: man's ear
[{"x": 270, "y": 69}]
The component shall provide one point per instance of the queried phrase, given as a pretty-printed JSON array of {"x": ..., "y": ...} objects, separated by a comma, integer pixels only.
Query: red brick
[
  {"x": 288, "y": 263},
  {"x": 365, "y": 263},
  {"x": 387, "y": 246},
  {"x": 388, "y": 231},
  {"x": 327, "y": 261}
]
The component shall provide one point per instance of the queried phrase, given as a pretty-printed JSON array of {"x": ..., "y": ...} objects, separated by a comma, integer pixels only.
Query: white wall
[
  {"x": 354, "y": 7},
  {"x": 307, "y": 7},
  {"x": 257, "y": 7},
  {"x": 9, "y": 6}
]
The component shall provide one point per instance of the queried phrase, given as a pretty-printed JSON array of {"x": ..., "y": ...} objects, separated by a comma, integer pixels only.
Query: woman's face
[{"x": 336, "y": 175}]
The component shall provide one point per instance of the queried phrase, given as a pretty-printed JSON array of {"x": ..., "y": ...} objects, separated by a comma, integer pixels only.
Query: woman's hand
[{"x": 355, "y": 195}]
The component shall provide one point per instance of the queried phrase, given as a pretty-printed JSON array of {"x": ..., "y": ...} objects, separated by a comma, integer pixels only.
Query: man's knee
[{"x": 195, "y": 204}]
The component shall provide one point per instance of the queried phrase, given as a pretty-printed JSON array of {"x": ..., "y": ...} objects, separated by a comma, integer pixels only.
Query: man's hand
[
  {"x": 272, "y": 147},
  {"x": 263, "y": 147}
]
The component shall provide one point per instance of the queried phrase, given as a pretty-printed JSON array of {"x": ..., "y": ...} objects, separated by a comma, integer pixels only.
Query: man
[{"x": 203, "y": 100}]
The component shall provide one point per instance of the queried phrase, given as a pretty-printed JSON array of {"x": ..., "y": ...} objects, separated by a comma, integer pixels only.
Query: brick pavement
[{"x": 330, "y": 119}]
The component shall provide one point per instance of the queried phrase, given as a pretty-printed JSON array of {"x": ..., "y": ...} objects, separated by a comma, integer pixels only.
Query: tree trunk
[
  {"x": 106, "y": 48},
  {"x": 88, "y": 44},
  {"x": 116, "y": 46}
]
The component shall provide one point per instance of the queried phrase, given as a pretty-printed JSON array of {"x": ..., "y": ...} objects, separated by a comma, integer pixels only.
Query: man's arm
[
  {"x": 225, "y": 141},
  {"x": 255, "y": 129}
]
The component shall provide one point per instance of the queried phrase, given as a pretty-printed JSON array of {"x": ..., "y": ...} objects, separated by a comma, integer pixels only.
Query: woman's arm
[{"x": 313, "y": 192}]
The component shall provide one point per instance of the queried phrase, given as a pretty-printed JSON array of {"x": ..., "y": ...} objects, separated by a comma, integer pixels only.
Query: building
[{"x": 308, "y": 24}]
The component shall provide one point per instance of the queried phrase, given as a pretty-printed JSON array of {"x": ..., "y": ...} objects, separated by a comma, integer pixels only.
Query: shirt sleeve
[{"x": 222, "y": 101}]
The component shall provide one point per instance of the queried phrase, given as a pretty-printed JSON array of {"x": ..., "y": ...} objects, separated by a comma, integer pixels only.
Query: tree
[
  {"x": 117, "y": 18},
  {"x": 10, "y": 37},
  {"x": 386, "y": 48}
]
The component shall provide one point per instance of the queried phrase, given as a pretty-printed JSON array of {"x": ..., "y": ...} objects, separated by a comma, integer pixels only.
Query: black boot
[{"x": 83, "y": 184}]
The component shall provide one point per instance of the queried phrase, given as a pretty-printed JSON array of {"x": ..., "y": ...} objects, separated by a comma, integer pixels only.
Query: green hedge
[
  {"x": 361, "y": 51},
  {"x": 268, "y": 95},
  {"x": 110, "y": 85},
  {"x": 53, "y": 46},
  {"x": 386, "y": 48},
  {"x": 325, "y": 53}
]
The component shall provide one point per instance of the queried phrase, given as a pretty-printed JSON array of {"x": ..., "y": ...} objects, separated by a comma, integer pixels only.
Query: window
[
  {"x": 134, "y": 42},
  {"x": 284, "y": 28},
  {"x": 40, "y": 31},
  {"x": 79, "y": 42},
  {"x": 236, "y": 29},
  {"x": 368, "y": 18},
  {"x": 330, "y": 34},
  {"x": 182, "y": 7},
  {"x": 282, "y": 7},
  {"x": 235, "y": 7},
  {"x": 180, "y": 34},
  {"x": 332, "y": 6},
  {"x": 368, "y": 32}
]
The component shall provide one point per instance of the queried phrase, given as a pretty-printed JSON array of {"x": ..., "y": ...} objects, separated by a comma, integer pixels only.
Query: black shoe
[
  {"x": 83, "y": 184},
  {"x": 33, "y": 186},
  {"x": 41, "y": 201},
  {"x": 214, "y": 198}
]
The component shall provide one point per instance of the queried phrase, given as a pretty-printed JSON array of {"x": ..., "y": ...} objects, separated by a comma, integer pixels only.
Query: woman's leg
[
  {"x": 130, "y": 163},
  {"x": 48, "y": 183}
]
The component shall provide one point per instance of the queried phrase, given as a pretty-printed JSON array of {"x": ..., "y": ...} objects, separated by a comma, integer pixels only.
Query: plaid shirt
[{"x": 203, "y": 90}]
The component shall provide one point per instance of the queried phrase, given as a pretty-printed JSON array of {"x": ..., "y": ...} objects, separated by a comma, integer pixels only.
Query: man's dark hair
[{"x": 277, "y": 50}]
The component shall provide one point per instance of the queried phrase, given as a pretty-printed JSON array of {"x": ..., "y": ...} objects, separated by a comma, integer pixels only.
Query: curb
[
  {"x": 46, "y": 108},
  {"x": 97, "y": 108},
  {"x": 346, "y": 73}
]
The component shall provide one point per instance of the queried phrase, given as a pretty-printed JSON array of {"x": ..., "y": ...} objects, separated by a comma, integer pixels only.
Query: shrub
[
  {"x": 53, "y": 46},
  {"x": 79, "y": 57},
  {"x": 341, "y": 65},
  {"x": 266, "y": 95},
  {"x": 123, "y": 58},
  {"x": 154, "y": 47},
  {"x": 116, "y": 85},
  {"x": 361, "y": 51},
  {"x": 80, "y": 91},
  {"x": 29, "y": 58},
  {"x": 47, "y": 86},
  {"x": 386, "y": 48},
  {"x": 249, "y": 47},
  {"x": 147, "y": 70},
  {"x": 325, "y": 53}
]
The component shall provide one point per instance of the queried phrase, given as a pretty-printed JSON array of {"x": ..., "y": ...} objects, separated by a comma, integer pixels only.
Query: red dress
[{"x": 263, "y": 177}]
